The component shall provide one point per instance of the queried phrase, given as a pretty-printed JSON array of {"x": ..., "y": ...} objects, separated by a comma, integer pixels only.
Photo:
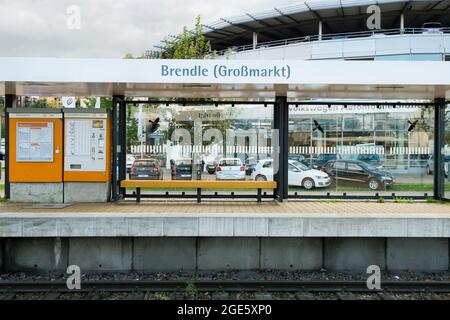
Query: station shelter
[{"x": 369, "y": 121}]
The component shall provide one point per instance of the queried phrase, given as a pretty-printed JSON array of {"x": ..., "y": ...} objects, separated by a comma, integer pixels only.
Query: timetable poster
[{"x": 34, "y": 142}]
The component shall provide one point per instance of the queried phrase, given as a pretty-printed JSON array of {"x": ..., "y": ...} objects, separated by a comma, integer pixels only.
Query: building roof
[{"x": 337, "y": 16}]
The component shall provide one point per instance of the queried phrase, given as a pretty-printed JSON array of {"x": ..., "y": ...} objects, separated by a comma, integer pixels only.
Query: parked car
[
  {"x": 322, "y": 159},
  {"x": 430, "y": 165},
  {"x": 300, "y": 158},
  {"x": 145, "y": 169},
  {"x": 230, "y": 169},
  {"x": 250, "y": 163},
  {"x": 432, "y": 28},
  {"x": 130, "y": 161},
  {"x": 181, "y": 169},
  {"x": 298, "y": 174},
  {"x": 371, "y": 159},
  {"x": 211, "y": 166},
  {"x": 358, "y": 172}
]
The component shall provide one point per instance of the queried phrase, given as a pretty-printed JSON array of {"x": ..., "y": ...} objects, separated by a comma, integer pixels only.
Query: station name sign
[{"x": 224, "y": 71}]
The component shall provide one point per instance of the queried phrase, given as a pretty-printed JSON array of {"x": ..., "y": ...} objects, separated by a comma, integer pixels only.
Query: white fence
[{"x": 187, "y": 150}]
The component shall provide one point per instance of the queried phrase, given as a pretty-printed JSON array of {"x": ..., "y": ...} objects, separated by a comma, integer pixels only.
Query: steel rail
[{"x": 225, "y": 286}]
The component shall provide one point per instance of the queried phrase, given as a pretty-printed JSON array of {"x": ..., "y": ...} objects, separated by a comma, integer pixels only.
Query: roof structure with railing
[{"x": 335, "y": 17}]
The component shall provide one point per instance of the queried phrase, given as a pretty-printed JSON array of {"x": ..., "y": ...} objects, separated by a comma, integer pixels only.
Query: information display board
[
  {"x": 35, "y": 148},
  {"x": 85, "y": 143},
  {"x": 34, "y": 142}
]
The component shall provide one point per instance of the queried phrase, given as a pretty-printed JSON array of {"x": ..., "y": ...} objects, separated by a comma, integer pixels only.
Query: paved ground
[{"x": 237, "y": 208}]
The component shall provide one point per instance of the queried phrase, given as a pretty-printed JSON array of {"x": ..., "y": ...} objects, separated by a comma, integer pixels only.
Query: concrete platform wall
[{"x": 224, "y": 253}]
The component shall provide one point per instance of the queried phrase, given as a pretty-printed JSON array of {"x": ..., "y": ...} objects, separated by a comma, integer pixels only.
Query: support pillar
[
  {"x": 439, "y": 140},
  {"x": 122, "y": 136},
  {"x": 116, "y": 147},
  {"x": 10, "y": 102},
  {"x": 255, "y": 40},
  {"x": 320, "y": 30},
  {"x": 402, "y": 23},
  {"x": 281, "y": 152}
]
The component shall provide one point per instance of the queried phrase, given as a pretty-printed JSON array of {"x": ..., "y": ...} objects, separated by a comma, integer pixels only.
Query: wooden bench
[{"x": 198, "y": 185}]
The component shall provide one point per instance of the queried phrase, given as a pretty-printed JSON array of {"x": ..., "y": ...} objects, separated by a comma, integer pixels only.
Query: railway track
[{"x": 138, "y": 288}]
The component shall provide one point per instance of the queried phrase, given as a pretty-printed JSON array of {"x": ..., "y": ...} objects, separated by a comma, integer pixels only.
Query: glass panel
[
  {"x": 447, "y": 152},
  {"x": 2, "y": 146},
  {"x": 205, "y": 142},
  {"x": 364, "y": 149}
]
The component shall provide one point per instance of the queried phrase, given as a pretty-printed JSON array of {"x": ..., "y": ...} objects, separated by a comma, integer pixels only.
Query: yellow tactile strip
[{"x": 244, "y": 207}]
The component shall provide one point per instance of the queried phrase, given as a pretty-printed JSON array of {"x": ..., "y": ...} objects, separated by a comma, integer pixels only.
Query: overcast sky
[{"x": 108, "y": 28}]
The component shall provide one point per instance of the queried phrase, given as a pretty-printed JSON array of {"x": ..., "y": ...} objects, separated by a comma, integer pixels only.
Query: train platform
[{"x": 227, "y": 219}]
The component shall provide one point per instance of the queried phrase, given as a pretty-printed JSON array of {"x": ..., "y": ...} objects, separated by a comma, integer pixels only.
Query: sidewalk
[{"x": 235, "y": 208}]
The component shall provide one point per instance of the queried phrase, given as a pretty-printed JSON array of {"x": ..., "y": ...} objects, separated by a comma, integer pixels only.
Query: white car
[
  {"x": 298, "y": 174},
  {"x": 230, "y": 169}
]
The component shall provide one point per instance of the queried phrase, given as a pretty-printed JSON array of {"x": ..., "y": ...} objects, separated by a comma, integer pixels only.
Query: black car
[
  {"x": 322, "y": 160},
  {"x": 145, "y": 169},
  {"x": 181, "y": 169},
  {"x": 212, "y": 165},
  {"x": 357, "y": 172},
  {"x": 250, "y": 164}
]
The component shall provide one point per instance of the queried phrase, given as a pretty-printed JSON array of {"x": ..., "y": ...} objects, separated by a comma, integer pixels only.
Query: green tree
[
  {"x": 105, "y": 102},
  {"x": 189, "y": 44},
  {"x": 132, "y": 129}
]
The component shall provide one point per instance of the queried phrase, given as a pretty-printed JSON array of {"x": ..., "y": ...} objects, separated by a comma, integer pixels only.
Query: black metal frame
[
  {"x": 439, "y": 137},
  {"x": 198, "y": 196},
  {"x": 10, "y": 102},
  {"x": 116, "y": 148},
  {"x": 184, "y": 102},
  {"x": 344, "y": 196},
  {"x": 119, "y": 158},
  {"x": 281, "y": 123},
  {"x": 438, "y": 104}
]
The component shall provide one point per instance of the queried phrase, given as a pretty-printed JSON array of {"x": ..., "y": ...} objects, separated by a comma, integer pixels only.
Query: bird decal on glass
[
  {"x": 317, "y": 126},
  {"x": 412, "y": 125},
  {"x": 154, "y": 125}
]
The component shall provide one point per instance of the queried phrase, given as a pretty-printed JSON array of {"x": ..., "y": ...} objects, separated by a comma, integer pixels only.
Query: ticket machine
[
  {"x": 59, "y": 155},
  {"x": 36, "y": 155},
  {"x": 87, "y": 158}
]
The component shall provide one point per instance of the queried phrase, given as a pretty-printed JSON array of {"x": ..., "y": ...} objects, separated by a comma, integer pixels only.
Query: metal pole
[
  {"x": 116, "y": 147},
  {"x": 280, "y": 157},
  {"x": 320, "y": 30},
  {"x": 402, "y": 23},
  {"x": 255, "y": 40},
  {"x": 122, "y": 142},
  {"x": 10, "y": 102},
  {"x": 439, "y": 136}
]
